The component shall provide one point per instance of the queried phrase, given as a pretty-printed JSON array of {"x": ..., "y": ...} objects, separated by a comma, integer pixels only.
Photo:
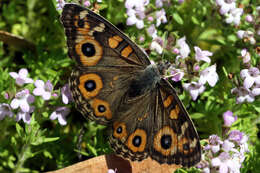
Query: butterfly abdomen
[{"x": 145, "y": 81}]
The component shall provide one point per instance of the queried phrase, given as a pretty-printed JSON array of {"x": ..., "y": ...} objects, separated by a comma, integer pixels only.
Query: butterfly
[{"x": 115, "y": 84}]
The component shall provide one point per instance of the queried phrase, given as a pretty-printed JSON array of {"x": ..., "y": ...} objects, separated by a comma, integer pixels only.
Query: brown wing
[
  {"x": 131, "y": 131},
  {"x": 155, "y": 124},
  {"x": 107, "y": 62},
  {"x": 174, "y": 139},
  {"x": 93, "y": 41}
]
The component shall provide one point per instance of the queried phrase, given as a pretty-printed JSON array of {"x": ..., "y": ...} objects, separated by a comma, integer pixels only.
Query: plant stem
[{"x": 21, "y": 158}]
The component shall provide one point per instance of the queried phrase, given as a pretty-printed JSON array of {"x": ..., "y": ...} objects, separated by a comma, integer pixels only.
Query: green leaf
[
  {"x": 178, "y": 18},
  {"x": 45, "y": 140},
  {"x": 256, "y": 108},
  {"x": 47, "y": 154},
  {"x": 195, "y": 20},
  {"x": 92, "y": 149},
  {"x": 197, "y": 115},
  {"x": 13, "y": 141},
  {"x": 19, "y": 129}
]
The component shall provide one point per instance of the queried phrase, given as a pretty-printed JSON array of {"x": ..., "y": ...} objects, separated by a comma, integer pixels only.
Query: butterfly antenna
[{"x": 169, "y": 76}]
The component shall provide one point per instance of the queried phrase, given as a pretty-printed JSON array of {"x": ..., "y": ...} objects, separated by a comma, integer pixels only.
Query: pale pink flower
[
  {"x": 22, "y": 99},
  {"x": 5, "y": 110},
  {"x": 229, "y": 119},
  {"x": 234, "y": 16},
  {"x": 194, "y": 88},
  {"x": 21, "y": 77},
  {"x": 250, "y": 76},
  {"x": 60, "y": 113},
  {"x": 209, "y": 75},
  {"x": 26, "y": 116},
  {"x": 177, "y": 75},
  {"x": 202, "y": 55},
  {"x": 66, "y": 94},
  {"x": 183, "y": 47},
  {"x": 43, "y": 89},
  {"x": 160, "y": 17}
]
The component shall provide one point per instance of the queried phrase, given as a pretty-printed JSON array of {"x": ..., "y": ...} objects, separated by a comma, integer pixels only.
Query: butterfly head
[{"x": 162, "y": 67}]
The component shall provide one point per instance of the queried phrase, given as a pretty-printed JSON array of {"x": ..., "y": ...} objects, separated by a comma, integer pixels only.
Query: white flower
[
  {"x": 135, "y": 12},
  {"x": 209, "y": 75},
  {"x": 202, "y": 55},
  {"x": 228, "y": 146},
  {"x": 245, "y": 55},
  {"x": 250, "y": 76},
  {"x": 22, "y": 100},
  {"x": 234, "y": 16},
  {"x": 25, "y": 115},
  {"x": 152, "y": 31},
  {"x": 66, "y": 94},
  {"x": 21, "y": 77},
  {"x": 183, "y": 47},
  {"x": 156, "y": 46},
  {"x": 225, "y": 7},
  {"x": 42, "y": 89},
  {"x": 240, "y": 34},
  {"x": 160, "y": 17},
  {"x": 136, "y": 3},
  {"x": 243, "y": 94},
  {"x": 194, "y": 89},
  {"x": 5, "y": 110},
  {"x": 225, "y": 163},
  {"x": 60, "y": 113}
]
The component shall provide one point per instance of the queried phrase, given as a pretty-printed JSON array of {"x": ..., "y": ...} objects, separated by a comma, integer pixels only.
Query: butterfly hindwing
[
  {"x": 175, "y": 139},
  {"x": 131, "y": 131},
  {"x": 157, "y": 125}
]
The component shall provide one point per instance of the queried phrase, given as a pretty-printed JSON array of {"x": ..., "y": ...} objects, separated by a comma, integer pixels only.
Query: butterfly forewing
[{"x": 93, "y": 41}]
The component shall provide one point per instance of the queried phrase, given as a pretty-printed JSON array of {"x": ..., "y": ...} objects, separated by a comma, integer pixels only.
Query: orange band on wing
[
  {"x": 89, "y": 51},
  {"x": 168, "y": 101},
  {"x": 96, "y": 82},
  {"x": 101, "y": 108},
  {"x": 126, "y": 51},
  {"x": 138, "y": 134},
  {"x": 114, "y": 41},
  {"x": 175, "y": 113},
  {"x": 157, "y": 141},
  {"x": 119, "y": 131}
]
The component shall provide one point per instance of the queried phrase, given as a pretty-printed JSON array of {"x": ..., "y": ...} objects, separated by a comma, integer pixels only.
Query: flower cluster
[
  {"x": 61, "y": 3},
  {"x": 247, "y": 36},
  {"x": 136, "y": 11},
  {"x": 251, "y": 85},
  {"x": 228, "y": 9},
  {"x": 227, "y": 155},
  {"x": 137, "y": 15},
  {"x": 206, "y": 75},
  {"x": 23, "y": 101}
]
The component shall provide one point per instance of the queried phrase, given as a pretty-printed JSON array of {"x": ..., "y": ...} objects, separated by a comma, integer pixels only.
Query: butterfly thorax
[{"x": 146, "y": 80}]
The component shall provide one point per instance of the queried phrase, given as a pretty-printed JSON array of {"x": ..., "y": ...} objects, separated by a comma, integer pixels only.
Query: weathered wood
[
  {"x": 17, "y": 42},
  {"x": 102, "y": 163}
]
